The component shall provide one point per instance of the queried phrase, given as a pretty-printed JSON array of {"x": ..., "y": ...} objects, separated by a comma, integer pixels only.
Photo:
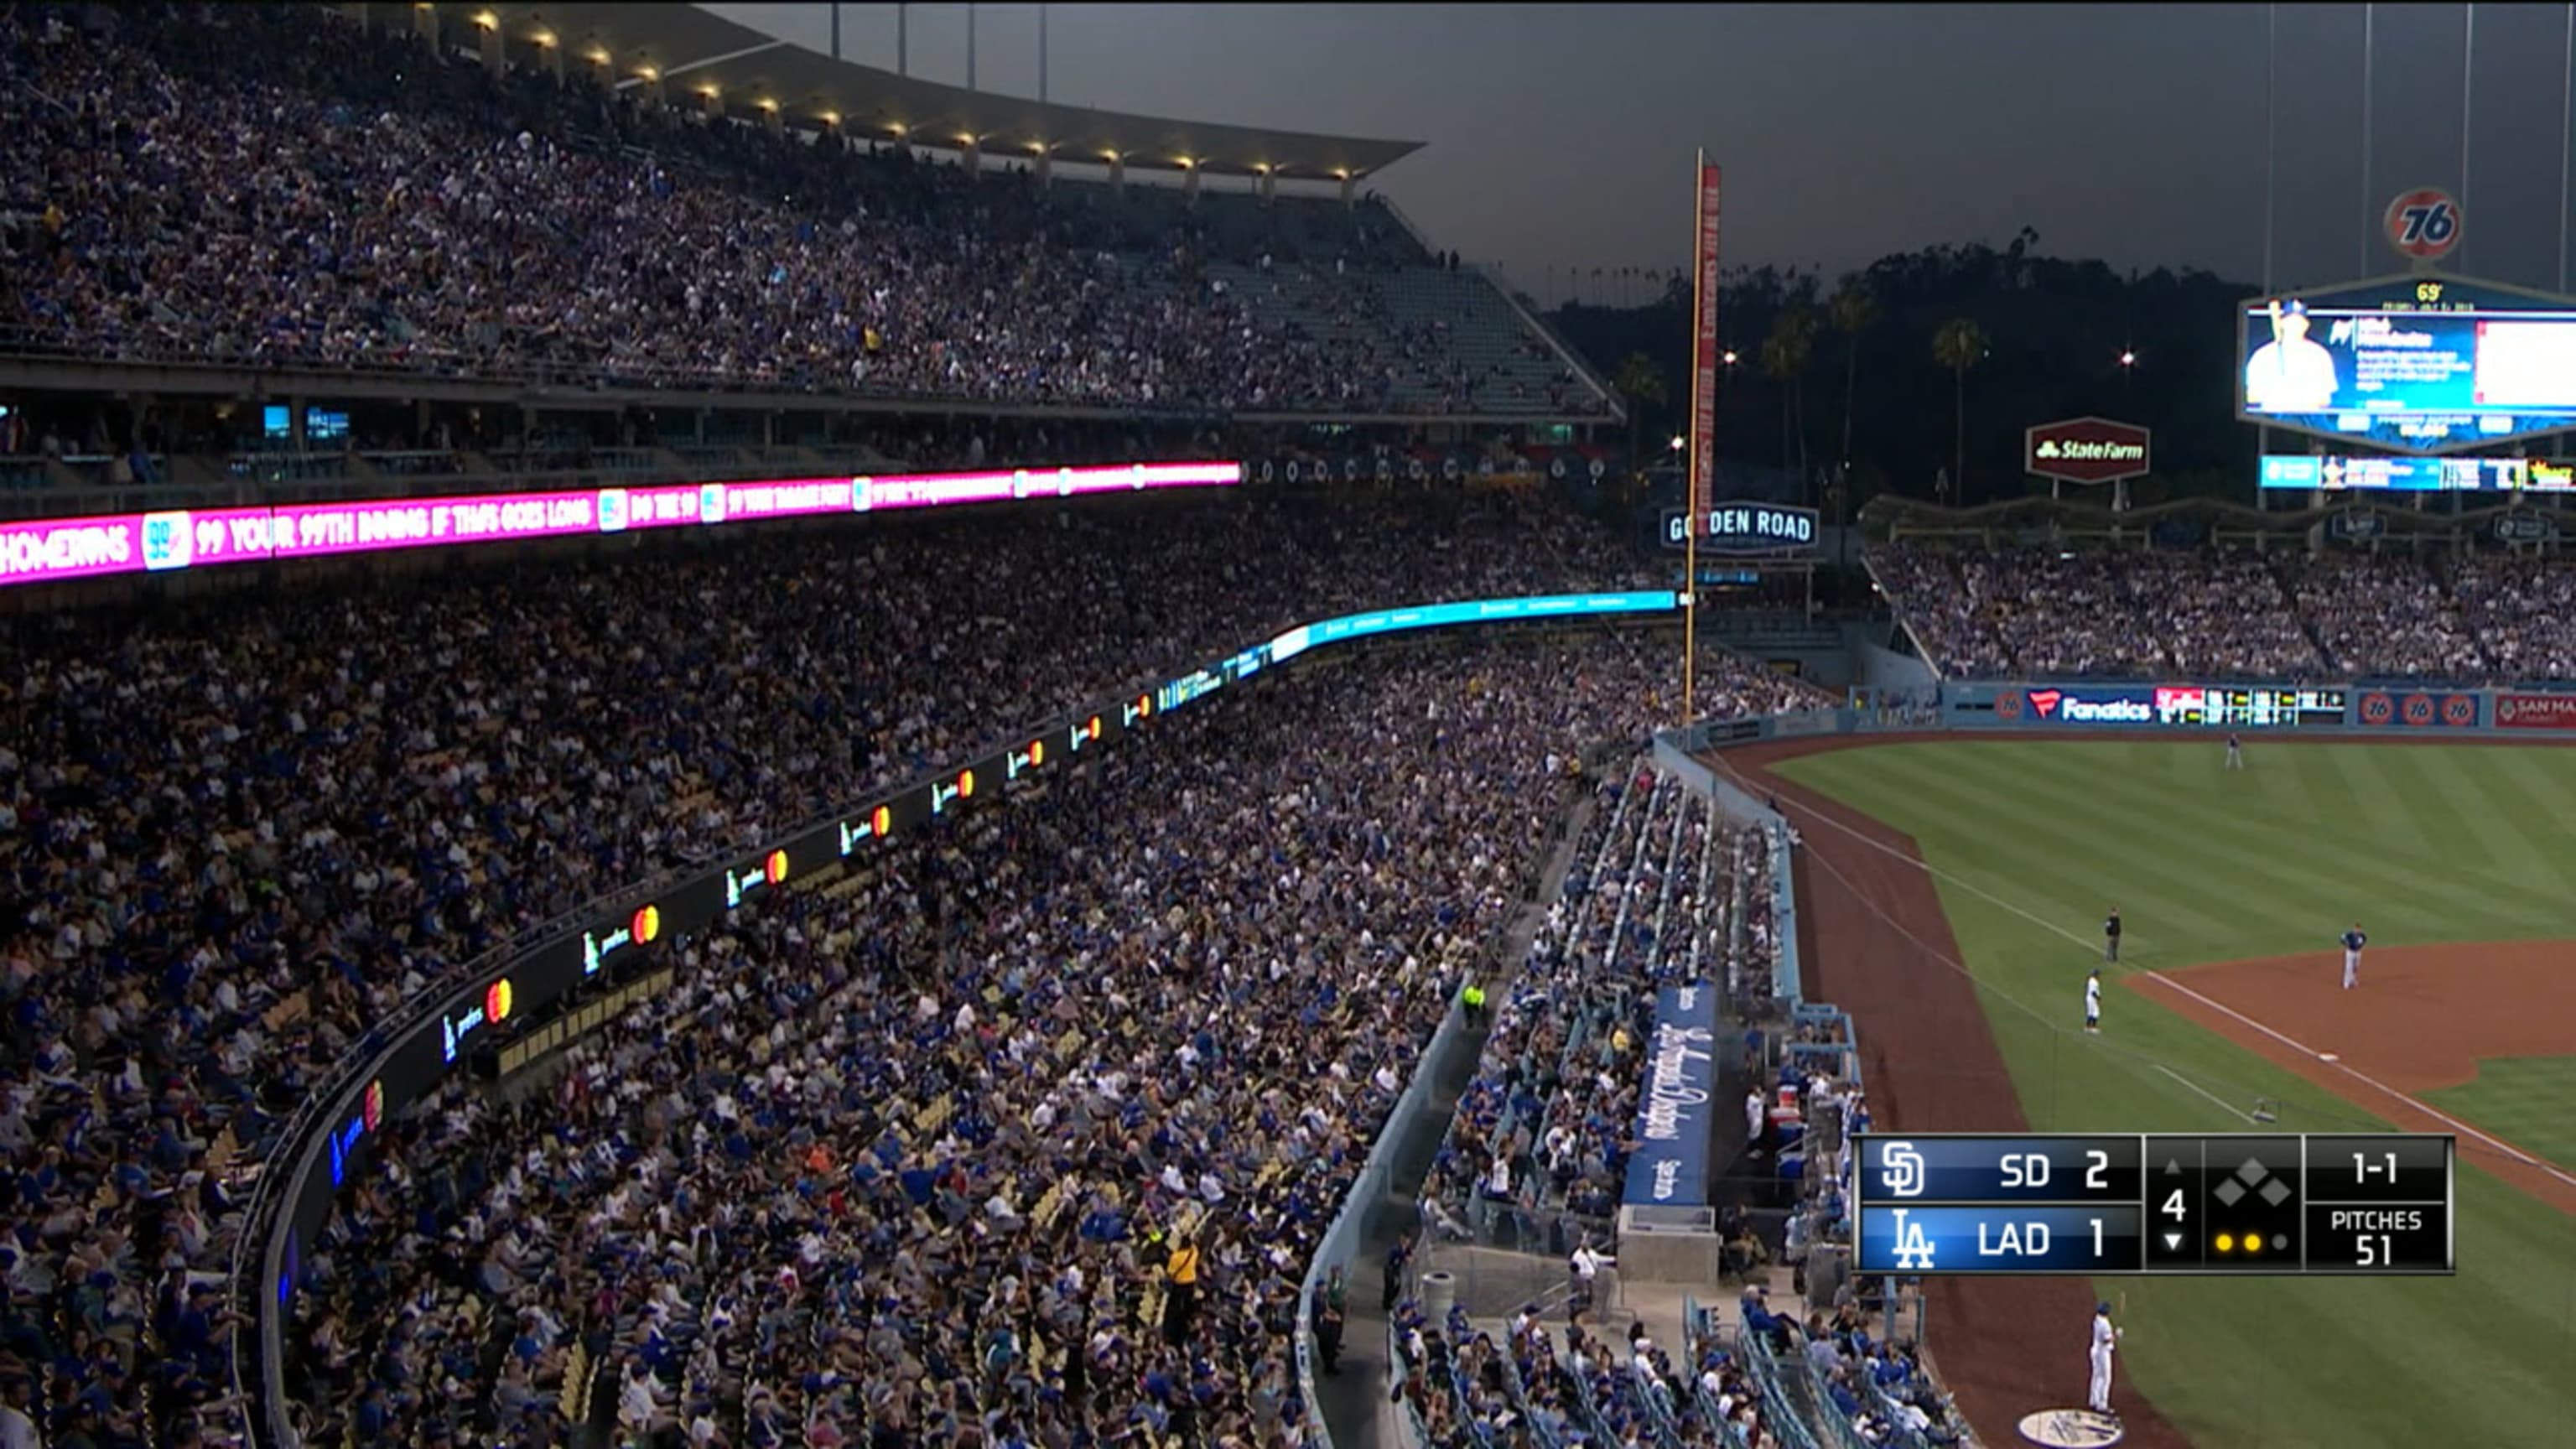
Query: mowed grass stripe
[
  {"x": 2441, "y": 787},
  {"x": 2275, "y": 890},
  {"x": 2335, "y": 868},
  {"x": 2368, "y": 800},
  {"x": 2545, "y": 779},
  {"x": 2268, "y": 886},
  {"x": 2497, "y": 803},
  {"x": 2338, "y": 853},
  {"x": 2030, "y": 848}
]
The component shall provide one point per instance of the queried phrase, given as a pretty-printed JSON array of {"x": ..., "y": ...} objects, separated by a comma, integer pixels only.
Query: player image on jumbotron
[{"x": 2290, "y": 373}]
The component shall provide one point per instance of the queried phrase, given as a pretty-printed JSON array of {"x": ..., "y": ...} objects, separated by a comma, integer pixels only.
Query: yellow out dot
[{"x": 2226, "y": 1242}]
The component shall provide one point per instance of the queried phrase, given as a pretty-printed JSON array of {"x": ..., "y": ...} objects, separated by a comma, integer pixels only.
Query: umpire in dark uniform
[{"x": 2111, "y": 935}]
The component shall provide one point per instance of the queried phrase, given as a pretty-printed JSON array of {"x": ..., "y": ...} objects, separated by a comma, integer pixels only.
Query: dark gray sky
[{"x": 1561, "y": 136}]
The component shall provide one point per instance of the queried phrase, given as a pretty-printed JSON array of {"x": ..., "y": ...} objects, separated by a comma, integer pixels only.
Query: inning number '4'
[{"x": 2433, "y": 222}]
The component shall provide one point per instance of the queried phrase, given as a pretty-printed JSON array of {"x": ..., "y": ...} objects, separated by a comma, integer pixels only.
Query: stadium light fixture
[
  {"x": 648, "y": 73},
  {"x": 828, "y": 118},
  {"x": 542, "y": 39},
  {"x": 598, "y": 57},
  {"x": 486, "y": 20},
  {"x": 765, "y": 103},
  {"x": 2128, "y": 359},
  {"x": 1678, "y": 443},
  {"x": 1730, "y": 357}
]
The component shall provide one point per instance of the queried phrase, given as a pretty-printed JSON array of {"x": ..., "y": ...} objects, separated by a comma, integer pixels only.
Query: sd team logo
[{"x": 1902, "y": 1170}]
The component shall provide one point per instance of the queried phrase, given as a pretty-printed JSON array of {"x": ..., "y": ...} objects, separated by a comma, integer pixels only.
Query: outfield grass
[
  {"x": 2031, "y": 840},
  {"x": 2524, "y": 1100}
]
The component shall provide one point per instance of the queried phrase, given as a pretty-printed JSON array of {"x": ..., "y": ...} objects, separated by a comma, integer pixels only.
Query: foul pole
[{"x": 1700, "y": 467}]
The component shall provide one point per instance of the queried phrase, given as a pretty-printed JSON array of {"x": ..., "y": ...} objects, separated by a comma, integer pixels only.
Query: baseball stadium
[{"x": 712, "y": 740}]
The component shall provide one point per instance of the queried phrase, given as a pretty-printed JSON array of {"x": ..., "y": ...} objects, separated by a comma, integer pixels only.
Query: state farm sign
[{"x": 2087, "y": 450}]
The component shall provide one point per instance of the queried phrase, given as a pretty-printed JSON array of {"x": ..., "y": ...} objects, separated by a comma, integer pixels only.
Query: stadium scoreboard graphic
[
  {"x": 2248, "y": 708},
  {"x": 2419, "y": 364},
  {"x": 2375, "y": 1205}
]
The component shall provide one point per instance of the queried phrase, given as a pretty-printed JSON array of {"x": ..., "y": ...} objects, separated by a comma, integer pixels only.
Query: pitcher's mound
[{"x": 2071, "y": 1429}]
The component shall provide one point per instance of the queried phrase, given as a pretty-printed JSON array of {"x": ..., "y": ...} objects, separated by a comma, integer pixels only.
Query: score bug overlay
[{"x": 2243, "y": 1203}]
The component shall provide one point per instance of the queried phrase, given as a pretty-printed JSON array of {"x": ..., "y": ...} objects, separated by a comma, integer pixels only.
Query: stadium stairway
[{"x": 1354, "y": 1401}]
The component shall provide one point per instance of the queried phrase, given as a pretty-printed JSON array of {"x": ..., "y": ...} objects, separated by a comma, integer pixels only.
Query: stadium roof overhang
[{"x": 690, "y": 50}]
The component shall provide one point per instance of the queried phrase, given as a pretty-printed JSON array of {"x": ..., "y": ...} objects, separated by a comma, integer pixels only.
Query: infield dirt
[{"x": 2420, "y": 1020}]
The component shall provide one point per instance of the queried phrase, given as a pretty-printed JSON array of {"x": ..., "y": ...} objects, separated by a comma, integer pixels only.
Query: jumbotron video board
[{"x": 2417, "y": 364}]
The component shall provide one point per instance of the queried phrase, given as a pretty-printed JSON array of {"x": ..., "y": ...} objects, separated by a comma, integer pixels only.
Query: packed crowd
[
  {"x": 2036, "y": 613},
  {"x": 250, "y": 830},
  {"x": 2385, "y": 614},
  {"x": 1466, "y": 1390},
  {"x": 270, "y": 184},
  {"x": 907, "y": 1157},
  {"x": 1656, "y": 894}
]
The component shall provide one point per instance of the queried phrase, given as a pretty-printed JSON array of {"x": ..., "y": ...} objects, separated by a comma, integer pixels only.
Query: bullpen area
[{"x": 1952, "y": 898}]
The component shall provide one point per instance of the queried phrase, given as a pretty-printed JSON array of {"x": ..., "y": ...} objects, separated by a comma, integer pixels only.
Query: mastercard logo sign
[
  {"x": 371, "y": 1108},
  {"x": 882, "y": 821},
  {"x": 775, "y": 868},
  {"x": 1144, "y": 705},
  {"x": 496, "y": 1002},
  {"x": 1037, "y": 752},
  {"x": 1092, "y": 727},
  {"x": 966, "y": 784},
  {"x": 646, "y": 925}
]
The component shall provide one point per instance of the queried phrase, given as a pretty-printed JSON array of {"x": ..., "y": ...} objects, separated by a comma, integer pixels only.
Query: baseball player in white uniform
[
  {"x": 2105, "y": 1339},
  {"x": 2093, "y": 1001},
  {"x": 2353, "y": 941}
]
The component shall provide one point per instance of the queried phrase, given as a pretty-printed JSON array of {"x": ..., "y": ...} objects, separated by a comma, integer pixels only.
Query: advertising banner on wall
[
  {"x": 2535, "y": 711},
  {"x": 2416, "y": 709},
  {"x": 2149, "y": 706},
  {"x": 1677, "y": 1109}
]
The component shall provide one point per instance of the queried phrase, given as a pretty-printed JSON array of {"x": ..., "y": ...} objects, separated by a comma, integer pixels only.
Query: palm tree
[
  {"x": 1854, "y": 311},
  {"x": 1785, "y": 355},
  {"x": 1642, "y": 384},
  {"x": 1957, "y": 346}
]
